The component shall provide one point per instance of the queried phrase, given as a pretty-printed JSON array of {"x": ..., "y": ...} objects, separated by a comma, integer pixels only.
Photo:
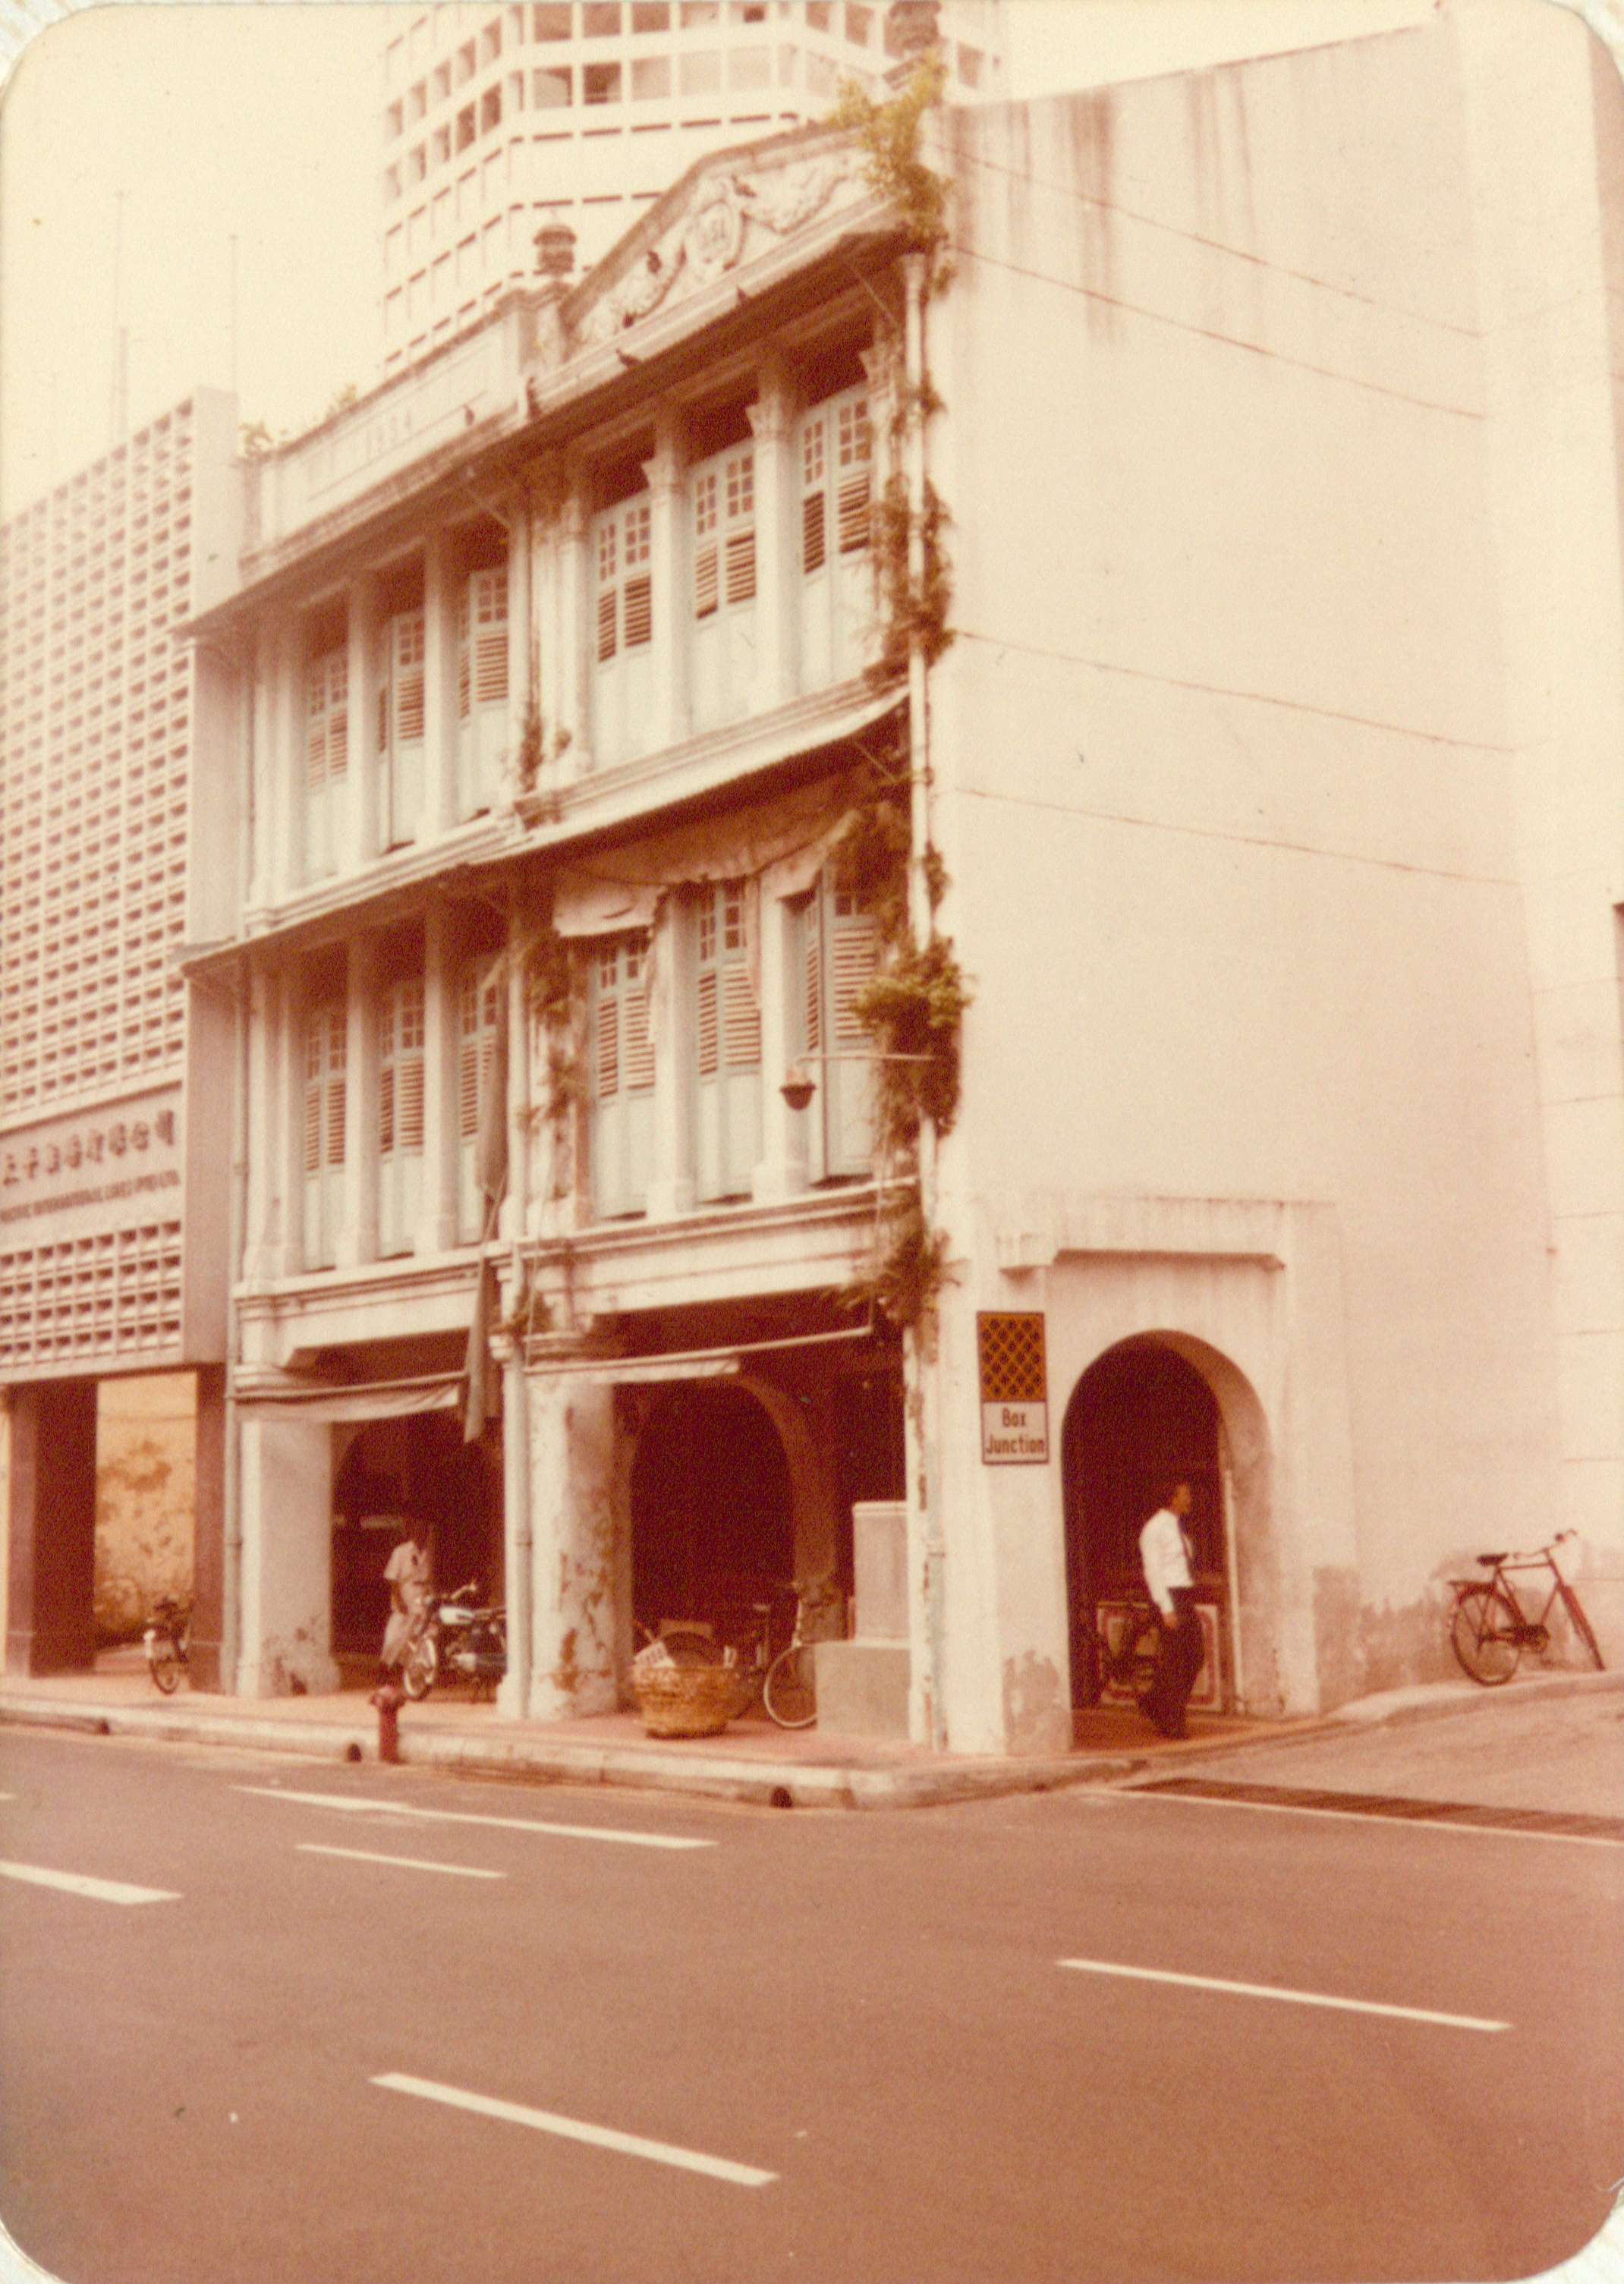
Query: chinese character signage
[
  {"x": 1015, "y": 1413},
  {"x": 94, "y": 1165}
]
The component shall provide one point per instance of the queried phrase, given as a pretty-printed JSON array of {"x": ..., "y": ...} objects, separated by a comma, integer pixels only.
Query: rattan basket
[{"x": 684, "y": 1701}]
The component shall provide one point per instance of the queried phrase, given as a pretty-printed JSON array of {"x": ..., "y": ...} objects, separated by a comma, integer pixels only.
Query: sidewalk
[{"x": 753, "y": 1761}]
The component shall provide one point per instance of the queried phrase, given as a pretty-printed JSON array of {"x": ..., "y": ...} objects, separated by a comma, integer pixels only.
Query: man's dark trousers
[{"x": 1180, "y": 1655}]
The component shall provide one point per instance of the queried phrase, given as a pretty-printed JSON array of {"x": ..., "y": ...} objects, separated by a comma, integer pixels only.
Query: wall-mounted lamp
[{"x": 797, "y": 1087}]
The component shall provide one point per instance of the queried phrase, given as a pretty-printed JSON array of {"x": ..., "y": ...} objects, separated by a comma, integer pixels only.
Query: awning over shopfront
[{"x": 332, "y": 1403}]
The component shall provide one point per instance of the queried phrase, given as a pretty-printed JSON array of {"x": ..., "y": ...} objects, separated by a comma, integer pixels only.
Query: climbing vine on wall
[
  {"x": 913, "y": 1006},
  {"x": 556, "y": 1008}
]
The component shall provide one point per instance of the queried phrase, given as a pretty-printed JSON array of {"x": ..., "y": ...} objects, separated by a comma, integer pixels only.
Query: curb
[{"x": 745, "y": 1779}]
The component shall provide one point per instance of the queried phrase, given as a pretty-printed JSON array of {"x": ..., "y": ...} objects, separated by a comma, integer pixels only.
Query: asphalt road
[{"x": 367, "y": 2024}]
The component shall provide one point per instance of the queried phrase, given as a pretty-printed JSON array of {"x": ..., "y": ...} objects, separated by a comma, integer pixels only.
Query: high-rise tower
[{"x": 500, "y": 119}]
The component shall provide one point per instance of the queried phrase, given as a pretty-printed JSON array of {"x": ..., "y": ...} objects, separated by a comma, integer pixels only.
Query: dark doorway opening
[
  {"x": 420, "y": 1462},
  {"x": 1140, "y": 1419},
  {"x": 713, "y": 1514}
]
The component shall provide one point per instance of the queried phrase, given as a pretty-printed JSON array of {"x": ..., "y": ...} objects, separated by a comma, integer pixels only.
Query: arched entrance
[
  {"x": 711, "y": 1505},
  {"x": 1140, "y": 1419}
]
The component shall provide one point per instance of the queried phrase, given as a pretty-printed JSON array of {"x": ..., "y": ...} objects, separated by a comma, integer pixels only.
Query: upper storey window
[
  {"x": 837, "y": 514},
  {"x": 622, "y": 1077},
  {"x": 839, "y": 953},
  {"x": 402, "y": 653},
  {"x": 724, "y": 506},
  {"x": 727, "y": 1038},
  {"x": 622, "y": 691},
  {"x": 326, "y": 1057},
  {"x": 478, "y": 1024},
  {"x": 481, "y": 688},
  {"x": 401, "y": 1040},
  {"x": 327, "y": 755}
]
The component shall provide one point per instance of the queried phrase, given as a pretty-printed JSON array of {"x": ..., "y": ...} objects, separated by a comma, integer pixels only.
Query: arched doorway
[
  {"x": 1140, "y": 1419},
  {"x": 711, "y": 1505}
]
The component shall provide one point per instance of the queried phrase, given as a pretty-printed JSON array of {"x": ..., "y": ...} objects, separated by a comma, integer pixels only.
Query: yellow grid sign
[{"x": 1013, "y": 1389}]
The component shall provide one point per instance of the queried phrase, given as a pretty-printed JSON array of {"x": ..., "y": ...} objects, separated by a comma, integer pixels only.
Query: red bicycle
[{"x": 1489, "y": 1628}]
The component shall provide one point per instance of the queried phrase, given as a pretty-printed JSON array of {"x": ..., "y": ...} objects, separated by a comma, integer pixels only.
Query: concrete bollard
[{"x": 389, "y": 1700}]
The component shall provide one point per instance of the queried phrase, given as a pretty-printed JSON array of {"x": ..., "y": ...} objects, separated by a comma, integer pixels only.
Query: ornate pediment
[{"x": 729, "y": 214}]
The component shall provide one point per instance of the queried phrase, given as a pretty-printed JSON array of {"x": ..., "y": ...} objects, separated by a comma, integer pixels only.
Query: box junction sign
[{"x": 1015, "y": 1413}]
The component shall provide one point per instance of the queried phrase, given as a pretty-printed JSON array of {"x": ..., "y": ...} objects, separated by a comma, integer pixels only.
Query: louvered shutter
[
  {"x": 709, "y": 1031},
  {"x": 705, "y": 583},
  {"x": 814, "y": 518},
  {"x": 854, "y": 451}
]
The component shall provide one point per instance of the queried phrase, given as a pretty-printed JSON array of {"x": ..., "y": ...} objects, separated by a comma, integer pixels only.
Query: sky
[{"x": 188, "y": 192}]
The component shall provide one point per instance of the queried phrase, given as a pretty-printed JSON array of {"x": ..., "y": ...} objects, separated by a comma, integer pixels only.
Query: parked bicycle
[
  {"x": 1489, "y": 1627},
  {"x": 167, "y": 1642},
  {"x": 783, "y": 1682},
  {"x": 1119, "y": 1651}
]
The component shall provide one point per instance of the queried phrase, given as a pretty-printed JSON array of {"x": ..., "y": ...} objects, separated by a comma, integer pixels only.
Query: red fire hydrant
[{"x": 389, "y": 1700}]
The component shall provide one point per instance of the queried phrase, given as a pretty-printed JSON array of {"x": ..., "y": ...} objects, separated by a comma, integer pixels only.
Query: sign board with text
[{"x": 1015, "y": 1413}]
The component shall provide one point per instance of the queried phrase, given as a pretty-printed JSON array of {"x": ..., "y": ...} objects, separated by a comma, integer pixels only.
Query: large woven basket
[{"x": 684, "y": 1701}]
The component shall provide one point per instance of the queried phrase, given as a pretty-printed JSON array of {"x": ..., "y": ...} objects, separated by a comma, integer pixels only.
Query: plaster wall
[
  {"x": 285, "y": 1579},
  {"x": 1546, "y": 112},
  {"x": 1223, "y": 788}
]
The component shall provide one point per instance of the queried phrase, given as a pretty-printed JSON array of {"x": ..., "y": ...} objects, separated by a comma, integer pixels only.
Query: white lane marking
[
  {"x": 1363, "y": 1816},
  {"x": 571, "y": 2129},
  {"x": 1273, "y": 1991},
  {"x": 77, "y": 1883},
  {"x": 356, "y": 1805},
  {"x": 405, "y": 1863}
]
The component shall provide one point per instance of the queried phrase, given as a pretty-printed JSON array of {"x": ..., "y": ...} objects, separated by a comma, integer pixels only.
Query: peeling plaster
[{"x": 1037, "y": 1714}]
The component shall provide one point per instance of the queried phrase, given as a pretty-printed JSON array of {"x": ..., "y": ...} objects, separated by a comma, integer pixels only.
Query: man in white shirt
[{"x": 1165, "y": 1552}]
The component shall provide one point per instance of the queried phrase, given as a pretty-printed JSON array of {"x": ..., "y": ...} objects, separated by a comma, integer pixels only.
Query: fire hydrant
[{"x": 389, "y": 1700}]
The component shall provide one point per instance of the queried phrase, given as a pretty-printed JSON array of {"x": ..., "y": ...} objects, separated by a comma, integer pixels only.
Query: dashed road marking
[
  {"x": 1293, "y": 1998},
  {"x": 572, "y": 2128},
  {"x": 404, "y": 1863},
  {"x": 79, "y": 1883},
  {"x": 359, "y": 1804}
]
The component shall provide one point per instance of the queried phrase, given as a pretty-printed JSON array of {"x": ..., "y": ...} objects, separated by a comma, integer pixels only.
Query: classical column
[
  {"x": 772, "y": 417},
  {"x": 671, "y": 1019},
  {"x": 262, "y": 768},
  {"x": 781, "y": 1171},
  {"x": 359, "y": 838},
  {"x": 289, "y": 1130},
  {"x": 285, "y": 1580},
  {"x": 523, "y": 695},
  {"x": 284, "y": 723},
  {"x": 575, "y": 586},
  {"x": 571, "y": 1434},
  {"x": 440, "y": 719},
  {"x": 545, "y": 502},
  {"x": 669, "y": 554}
]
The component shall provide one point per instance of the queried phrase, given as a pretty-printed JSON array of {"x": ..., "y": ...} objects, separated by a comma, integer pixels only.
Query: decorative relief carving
[{"x": 710, "y": 238}]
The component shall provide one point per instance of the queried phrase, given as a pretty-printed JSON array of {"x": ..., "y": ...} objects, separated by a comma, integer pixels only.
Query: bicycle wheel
[
  {"x": 1581, "y": 1623},
  {"x": 790, "y": 1691},
  {"x": 419, "y": 1668},
  {"x": 165, "y": 1662},
  {"x": 1483, "y": 1634}
]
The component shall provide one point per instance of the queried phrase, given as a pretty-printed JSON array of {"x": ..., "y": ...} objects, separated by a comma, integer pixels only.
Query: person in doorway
[
  {"x": 1165, "y": 1552},
  {"x": 406, "y": 1575}
]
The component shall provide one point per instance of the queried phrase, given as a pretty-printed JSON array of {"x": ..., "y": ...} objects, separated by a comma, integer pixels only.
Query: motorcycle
[{"x": 461, "y": 1639}]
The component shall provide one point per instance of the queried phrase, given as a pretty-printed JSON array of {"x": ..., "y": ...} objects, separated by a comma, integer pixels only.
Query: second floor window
[
  {"x": 481, "y": 687},
  {"x": 327, "y": 755},
  {"x": 622, "y": 1077},
  {"x": 478, "y": 1013},
  {"x": 836, "y": 559},
  {"x": 725, "y": 532},
  {"x": 727, "y": 1043},
  {"x": 400, "y": 1112},
  {"x": 840, "y": 950},
  {"x": 400, "y": 726},
  {"x": 325, "y": 1078},
  {"x": 622, "y": 710}
]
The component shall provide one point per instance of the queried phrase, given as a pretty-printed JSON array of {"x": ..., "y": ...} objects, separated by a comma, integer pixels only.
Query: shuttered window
[
  {"x": 477, "y": 1015},
  {"x": 327, "y": 755},
  {"x": 624, "y": 1077},
  {"x": 401, "y": 661},
  {"x": 728, "y": 1041},
  {"x": 400, "y": 1036},
  {"x": 326, "y": 1103},
  {"x": 724, "y": 533},
  {"x": 481, "y": 687},
  {"x": 841, "y": 953},
  {"x": 625, "y": 593}
]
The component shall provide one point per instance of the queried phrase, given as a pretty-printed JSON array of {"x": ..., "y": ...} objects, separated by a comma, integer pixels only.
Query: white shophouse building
[{"x": 1269, "y": 789}]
